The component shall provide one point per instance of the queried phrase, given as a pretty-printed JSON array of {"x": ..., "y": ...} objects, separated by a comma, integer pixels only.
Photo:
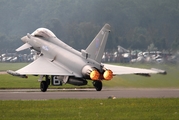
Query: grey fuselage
[{"x": 61, "y": 54}]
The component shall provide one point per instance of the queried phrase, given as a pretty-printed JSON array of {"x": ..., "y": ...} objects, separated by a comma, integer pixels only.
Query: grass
[
  {"x": 10, "y": 82},
  {"x": 92, "y": 109},
  {"x": 11, "y": 66},
  {"x": 124, "y": 81}
]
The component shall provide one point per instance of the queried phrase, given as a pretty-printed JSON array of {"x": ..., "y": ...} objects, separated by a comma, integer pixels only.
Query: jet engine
[
  {"x": 90, "y": 73},
  {"x": 108, "y": 74},
  {"x": 94, "y": 74}
]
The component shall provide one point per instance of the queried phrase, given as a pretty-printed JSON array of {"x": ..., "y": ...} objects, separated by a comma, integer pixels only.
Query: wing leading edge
[
  {"x": 121, "y": 70},
  {"x": 43, "y": 66}
]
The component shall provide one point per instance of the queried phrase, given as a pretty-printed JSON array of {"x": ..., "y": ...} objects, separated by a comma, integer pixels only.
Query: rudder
[{"x": 97, "y": 46}]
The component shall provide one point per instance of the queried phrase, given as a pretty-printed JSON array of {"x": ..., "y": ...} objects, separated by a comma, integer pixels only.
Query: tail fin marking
[{"x": 97, "y": 46}]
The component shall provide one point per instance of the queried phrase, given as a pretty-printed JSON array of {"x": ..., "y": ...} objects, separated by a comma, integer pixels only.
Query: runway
[{"x": 24, "y": 94}]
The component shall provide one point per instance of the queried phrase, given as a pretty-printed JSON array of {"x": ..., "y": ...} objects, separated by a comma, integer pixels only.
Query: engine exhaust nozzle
[{"x": 108, "y": 75}]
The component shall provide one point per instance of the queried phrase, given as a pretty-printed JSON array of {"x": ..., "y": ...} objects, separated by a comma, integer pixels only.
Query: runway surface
[{"x": 24, "y": 94}]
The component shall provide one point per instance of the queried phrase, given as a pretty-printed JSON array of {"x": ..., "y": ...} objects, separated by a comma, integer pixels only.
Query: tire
[
  {"x": 98, "y": 85},
  {"x": 43, "y": 86},
  {"x": 47, "y": 79}
]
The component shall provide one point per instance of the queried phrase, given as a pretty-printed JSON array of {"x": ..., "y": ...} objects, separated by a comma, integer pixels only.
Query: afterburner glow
[
  {"x": 108, "y": 75},
  {"x": 94, "y": 75}
]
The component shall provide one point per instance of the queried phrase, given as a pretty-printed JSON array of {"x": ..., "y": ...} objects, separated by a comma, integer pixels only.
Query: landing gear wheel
[
  {"x": 43, "y": 86},
  {"x": 98, "y": 85},
  {"x": 47, "y": 80}
]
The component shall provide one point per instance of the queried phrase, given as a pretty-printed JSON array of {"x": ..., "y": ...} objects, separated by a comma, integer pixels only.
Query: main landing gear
[
  {"x": 98, "y": 85},
  {"x": 44, "y": 84}
]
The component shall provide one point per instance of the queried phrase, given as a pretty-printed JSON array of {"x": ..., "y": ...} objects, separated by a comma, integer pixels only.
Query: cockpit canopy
[{"x": 43, "y": 32}]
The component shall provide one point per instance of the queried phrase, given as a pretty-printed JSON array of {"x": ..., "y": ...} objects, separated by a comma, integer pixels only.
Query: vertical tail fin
[{"x": 97, "y": 46}]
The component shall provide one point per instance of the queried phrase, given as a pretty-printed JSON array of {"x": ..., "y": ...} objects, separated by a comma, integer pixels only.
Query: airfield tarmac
[{"x": 35, "y": 94}]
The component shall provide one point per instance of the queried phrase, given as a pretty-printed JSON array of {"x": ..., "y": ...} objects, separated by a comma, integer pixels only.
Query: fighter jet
[{"x": 58, "y": 63}]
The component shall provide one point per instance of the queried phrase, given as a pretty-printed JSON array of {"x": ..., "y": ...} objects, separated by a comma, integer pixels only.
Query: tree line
[{"x": 135, "y": 24}]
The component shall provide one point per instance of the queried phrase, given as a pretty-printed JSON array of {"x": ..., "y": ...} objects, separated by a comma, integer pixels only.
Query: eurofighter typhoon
[{"x": 59, "y": 63}]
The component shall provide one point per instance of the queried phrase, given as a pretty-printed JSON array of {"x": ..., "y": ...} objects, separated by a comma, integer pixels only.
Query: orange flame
[
  {"x": 108, "y": 75},
  {"x": 94, "y": 75}
]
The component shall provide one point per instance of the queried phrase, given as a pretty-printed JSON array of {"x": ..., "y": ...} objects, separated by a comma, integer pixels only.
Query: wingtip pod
[
  {"x": 13, "y": 73},
  {"x": 163, "y": 72},
  {"x": 107, "y": 26}
]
